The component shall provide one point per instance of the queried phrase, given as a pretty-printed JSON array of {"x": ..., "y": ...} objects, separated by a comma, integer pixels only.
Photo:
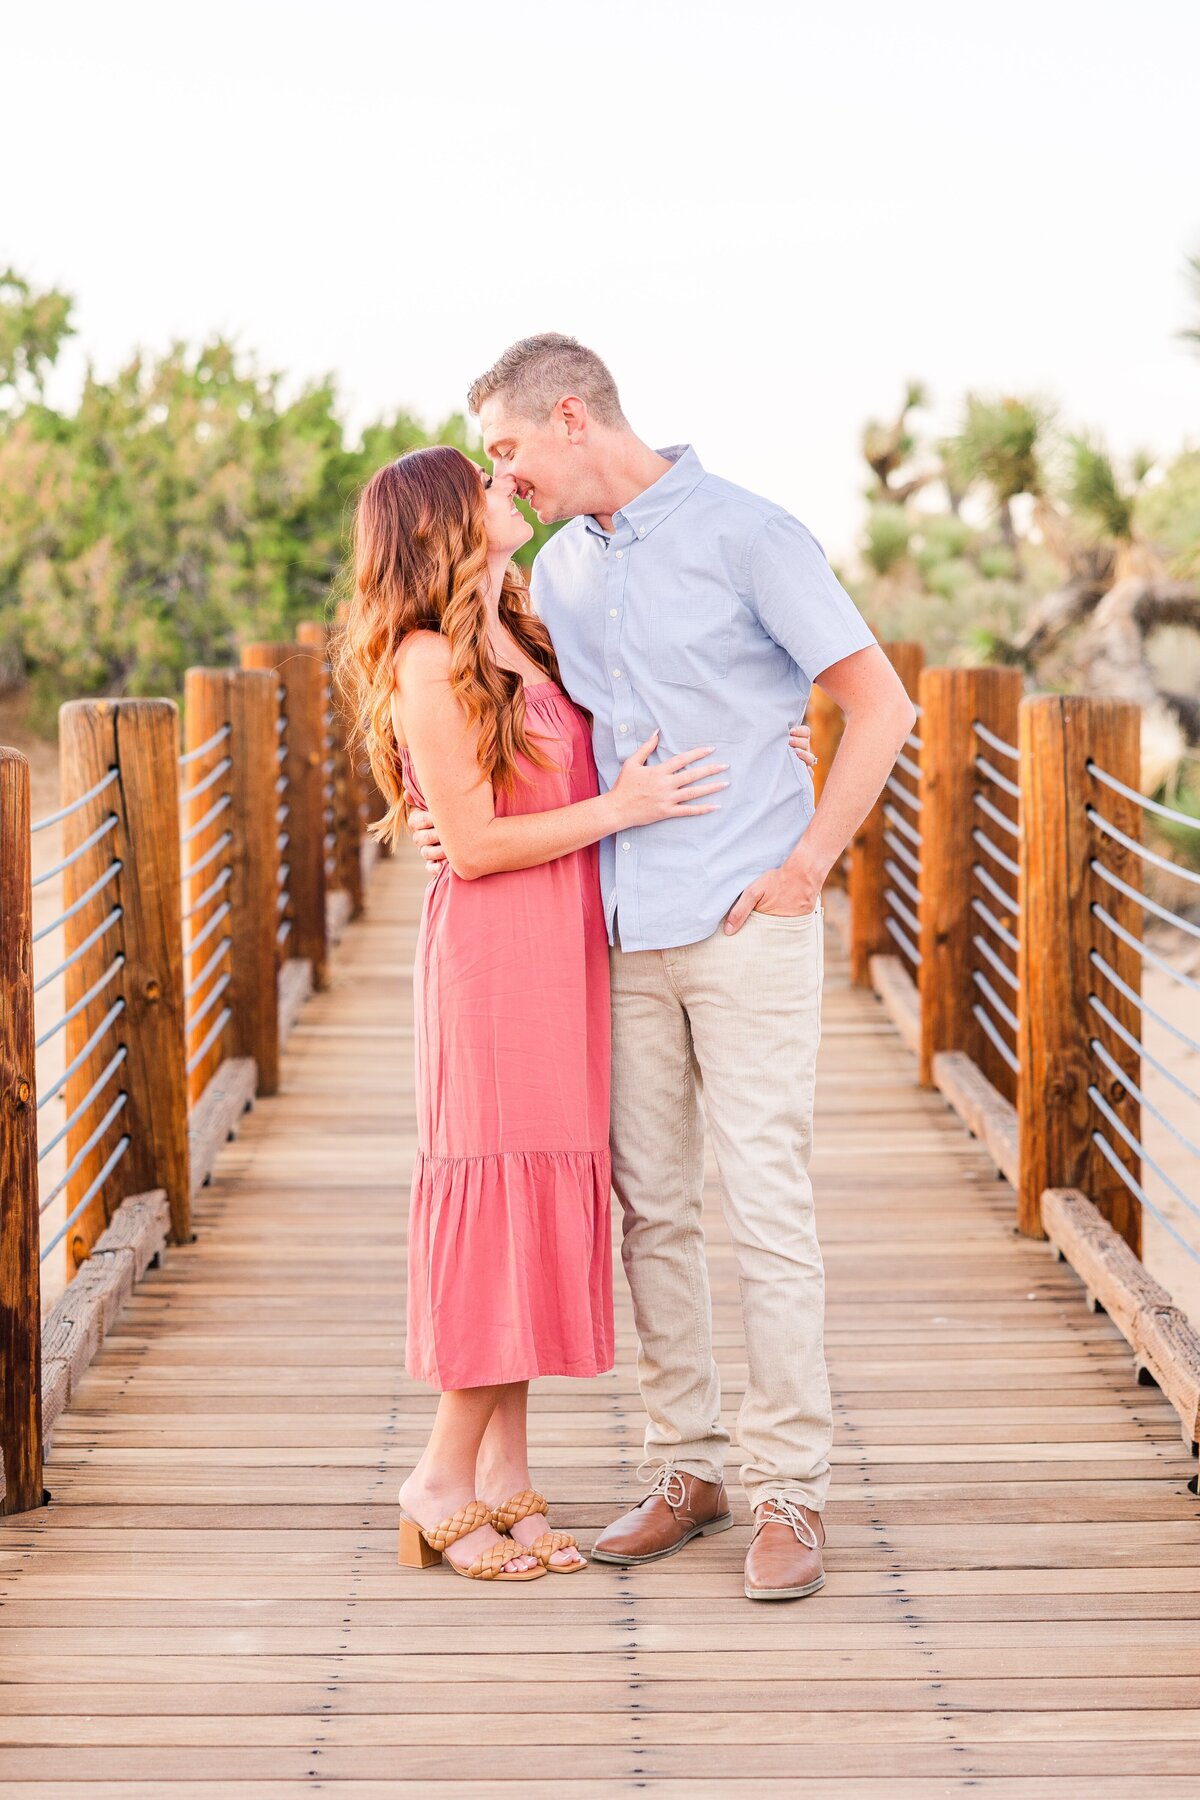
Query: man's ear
[{"x": 574, "y": 414}]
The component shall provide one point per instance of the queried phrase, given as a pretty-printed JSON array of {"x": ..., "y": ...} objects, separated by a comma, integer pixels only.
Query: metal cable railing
[
  {"x": 1135, "y": 999},
  {"x": 56, "y": 818},
  {"x": 996, "y": 1039},
  {"x": 82, "y": 1117},
  {"x": 101, "y": 831},
  {"x": 218, "y": 737},
  {"x": 99, "y": 1003},
  {"x": 996, "y": 1018},
  {"x": 1152, "y": 906},
  {"x": 1142, "y": 950},
  {"x": 1173, "y": 1136},
  {"x": 89, "y": 1194},
  {"x": 1143, "y": 800},
  {"x": 1137, "y": 1188},
  {"x": 902, "y": 863},
  {"x": 328, "y": 789},
  {"x": 283, "y": 899},
  {"x": 113, "y": 869},
  {"x": 998, "y": 929},
  {"x": 993, "y": 741},
  {"x": 206, "y": 911},
  {"x": 1147, "y": 855},
  {"x": 998, "y": 856},
  {"x": 991, "y": 773}
]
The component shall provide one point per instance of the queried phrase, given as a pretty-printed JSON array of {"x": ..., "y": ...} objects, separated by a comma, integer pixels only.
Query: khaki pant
[{"x": 731, "y": 1023}]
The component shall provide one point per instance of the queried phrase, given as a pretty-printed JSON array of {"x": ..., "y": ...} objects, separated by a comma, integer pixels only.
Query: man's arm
[
  {"x": 879, "y": 716},
  {"x": 800, "y": 602}
]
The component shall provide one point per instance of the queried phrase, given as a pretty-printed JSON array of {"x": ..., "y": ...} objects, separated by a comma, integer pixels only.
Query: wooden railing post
[
  {"x": 140, "y": 739},
  {"x": 869, "y": 935},
  {"x": 244, "y": 699},
  {"x": 298, "y": 669},
  {"x": 20, "y": 1263},
  {"x": 1061, "y": 937},
  {"x": 346, "y": 872},
  {"x": 951, "y": 701}
]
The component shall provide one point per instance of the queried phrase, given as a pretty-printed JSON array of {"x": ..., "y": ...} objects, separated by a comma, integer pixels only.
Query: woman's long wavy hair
[{"x": 419, "y": 562}]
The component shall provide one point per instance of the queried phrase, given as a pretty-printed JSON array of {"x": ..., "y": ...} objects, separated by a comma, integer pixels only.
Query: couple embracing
[{"x": 624, "y": 915}]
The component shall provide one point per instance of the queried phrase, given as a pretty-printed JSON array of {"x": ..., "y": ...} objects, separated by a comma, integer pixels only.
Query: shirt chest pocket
[{"x": 691, "y": 629}]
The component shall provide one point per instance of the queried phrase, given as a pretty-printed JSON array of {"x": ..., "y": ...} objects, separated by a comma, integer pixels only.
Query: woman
[{"x": 458, "y": 699}]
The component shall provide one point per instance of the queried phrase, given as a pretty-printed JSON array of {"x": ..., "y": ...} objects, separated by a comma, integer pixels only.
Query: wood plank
[
  {"x": 982, "y": 1108},
  {"x": 90, "y": 1307},
  {"x": 1014, "y": 1559},
  {"x": 901, "y": 998},
  {"x": 217, "y": 1114},
  {"x": 295, "y": 985},
  {"x": 1166, "y": 1344}
]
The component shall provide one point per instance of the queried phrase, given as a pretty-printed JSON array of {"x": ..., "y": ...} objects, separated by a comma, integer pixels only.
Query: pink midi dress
[{"x": 509, "y": 1245}]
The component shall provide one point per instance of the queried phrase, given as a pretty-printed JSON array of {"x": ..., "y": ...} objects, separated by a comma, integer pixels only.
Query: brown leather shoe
[
  {"x": 784, "y": 1558},
  {"x": 678, "y": 1508}
]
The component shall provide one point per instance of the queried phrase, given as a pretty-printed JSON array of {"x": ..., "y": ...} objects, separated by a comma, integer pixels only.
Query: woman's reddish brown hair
[{"x": 419, "y": 562}]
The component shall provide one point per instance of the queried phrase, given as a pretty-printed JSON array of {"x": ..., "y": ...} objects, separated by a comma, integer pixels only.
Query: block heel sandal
[
  {"x": 521, "y": 1506},
  {"x": 420, "y": 1547}
]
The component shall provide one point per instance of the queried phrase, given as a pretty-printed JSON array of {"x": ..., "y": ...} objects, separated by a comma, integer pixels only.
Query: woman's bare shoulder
[{"x": 421, "y": 657}]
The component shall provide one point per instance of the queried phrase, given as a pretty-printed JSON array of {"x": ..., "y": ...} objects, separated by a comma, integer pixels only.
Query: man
[{"x": 679, "y": 602}]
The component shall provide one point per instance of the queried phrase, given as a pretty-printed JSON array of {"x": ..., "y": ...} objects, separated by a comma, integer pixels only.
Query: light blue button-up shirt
[{"x": 706, "y": 613}]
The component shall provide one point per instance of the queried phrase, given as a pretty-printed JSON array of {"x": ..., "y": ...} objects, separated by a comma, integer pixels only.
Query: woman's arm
[
  {"x": 424, "y": 834},
  {"x": 478, "y": 842}
]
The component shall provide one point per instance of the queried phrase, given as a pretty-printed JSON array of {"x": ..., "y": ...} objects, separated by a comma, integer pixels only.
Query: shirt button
[
  {"x": 612, "y": 612},
  {"x": 625, "y": 845},
  {"x": 624, "y": 728},
  {"x": 641, "y": 531},
  {"x": 620, "y": 554},
  {"x": 617, "y": 673}
]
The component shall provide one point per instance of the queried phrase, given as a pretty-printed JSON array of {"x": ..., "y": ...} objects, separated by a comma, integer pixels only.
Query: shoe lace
[
  {"x": 664, "y": 1480},
  {"x": 787, "y": 1512}
]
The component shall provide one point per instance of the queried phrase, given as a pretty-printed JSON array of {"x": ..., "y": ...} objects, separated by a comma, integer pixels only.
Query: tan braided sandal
[
  {"x": 421, "y": 1547},
  {"x": 521, "y": 1506}
]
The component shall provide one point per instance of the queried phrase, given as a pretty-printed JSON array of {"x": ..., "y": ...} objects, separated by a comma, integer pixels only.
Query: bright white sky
[{"x": 764, "y": 215}]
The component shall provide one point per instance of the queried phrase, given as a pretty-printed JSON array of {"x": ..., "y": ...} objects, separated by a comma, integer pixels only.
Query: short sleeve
[
  {"x": 536, "y": 586},
  {"x": 797, "y": 598}
]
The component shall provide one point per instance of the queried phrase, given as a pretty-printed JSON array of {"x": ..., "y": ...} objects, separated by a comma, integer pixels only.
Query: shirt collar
[{"x": 655, "y": 503}]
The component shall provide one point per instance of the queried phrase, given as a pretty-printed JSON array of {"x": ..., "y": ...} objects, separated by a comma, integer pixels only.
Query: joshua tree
[{"x": 1078, "y": 585}]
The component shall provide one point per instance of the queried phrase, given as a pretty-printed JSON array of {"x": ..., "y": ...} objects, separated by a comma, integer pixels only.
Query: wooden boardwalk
[{"x": 210, "y": 1605}]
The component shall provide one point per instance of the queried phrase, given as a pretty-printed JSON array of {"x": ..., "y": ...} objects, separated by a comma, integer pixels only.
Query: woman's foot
[
  {"x": 497, "y": 1489},
  {"x": 427, "y": 1503}
]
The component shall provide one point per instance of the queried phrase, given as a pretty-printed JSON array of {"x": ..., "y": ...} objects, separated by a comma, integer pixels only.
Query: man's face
[{"x": 544, "y": 460}]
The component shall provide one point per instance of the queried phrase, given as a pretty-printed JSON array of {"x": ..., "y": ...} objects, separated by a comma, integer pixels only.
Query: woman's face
[{"x": 507, "y": 527}]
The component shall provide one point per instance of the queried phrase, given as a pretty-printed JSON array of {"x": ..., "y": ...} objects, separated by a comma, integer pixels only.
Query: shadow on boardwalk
[{"x": 210, "y": 1605}]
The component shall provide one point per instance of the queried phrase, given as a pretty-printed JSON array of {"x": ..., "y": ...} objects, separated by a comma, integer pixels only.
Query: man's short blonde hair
[{"x": 538, "y": 372}]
